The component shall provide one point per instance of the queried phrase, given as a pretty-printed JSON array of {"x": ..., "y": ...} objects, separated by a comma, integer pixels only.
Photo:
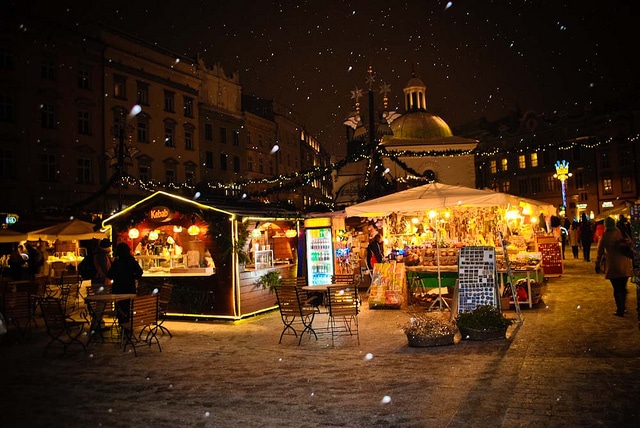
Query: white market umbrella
[
  {"x": 7, "y": 235},
  {"x": 67, "y": 231}
]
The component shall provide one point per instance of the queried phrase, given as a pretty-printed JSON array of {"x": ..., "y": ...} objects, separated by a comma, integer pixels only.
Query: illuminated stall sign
[{"x": 160, "y": 214}]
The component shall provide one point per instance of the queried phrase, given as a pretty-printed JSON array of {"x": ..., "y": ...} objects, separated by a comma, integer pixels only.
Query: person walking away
[
  {"x": 102, "y": 262},
  {"x": 36, "y": 261},
  {"x": 573, "y": 238},
  {"x": 618, "y": 267},
  {"x": 124, "y": 272},
  {"x": 374, "y": 251},
  {"x": 586, "y": 237}
]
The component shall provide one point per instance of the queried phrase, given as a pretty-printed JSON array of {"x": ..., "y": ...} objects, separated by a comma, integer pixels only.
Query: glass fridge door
[{"x": 319, "y": 256}]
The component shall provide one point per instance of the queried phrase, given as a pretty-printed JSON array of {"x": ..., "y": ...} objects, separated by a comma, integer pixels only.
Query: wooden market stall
[{"x": 212, "y": 251}]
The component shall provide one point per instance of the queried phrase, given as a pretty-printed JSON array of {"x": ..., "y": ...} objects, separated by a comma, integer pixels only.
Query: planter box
[
  {"x": 473, "y": 334},
  {"x": 425, "y": 341}
]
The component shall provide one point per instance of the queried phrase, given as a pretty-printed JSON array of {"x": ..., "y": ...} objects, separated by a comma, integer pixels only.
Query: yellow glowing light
[
  {"x": 193, "y": 230},
  {"x": 256, "y": 233},
  {"x": 291, "y": 233},
  {"x": 154, "y": 234},
  {"x": 177, "y": 229},
  {"x": 415, "y": 220},
  {"x": 512, "y": 215},
  {"x": 534, "y": 220},
  {"x": 170, "y": 240},
  {"x": 447, "y": 214},
  {"x": 432, "y": 214},
  {"x": 134, "y": 233}
]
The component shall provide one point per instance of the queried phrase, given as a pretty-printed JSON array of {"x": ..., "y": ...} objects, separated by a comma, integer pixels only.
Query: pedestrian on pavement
[
  {"x": 125, "y": 272},
  {"x": 586, "y": 237},
  {"x": 618, "y": 267},
  {"x": 573, "y": 238},
  {"x": 102, "y": 262}
]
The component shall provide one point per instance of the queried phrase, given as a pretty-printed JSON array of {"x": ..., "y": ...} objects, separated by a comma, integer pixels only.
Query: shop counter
[
  {"x": 173, "y": 272},
  {"x": 427, "y": 276}
]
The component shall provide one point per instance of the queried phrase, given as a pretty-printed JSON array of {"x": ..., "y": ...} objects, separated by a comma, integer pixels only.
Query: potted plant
[
  {"x": 424, "y": 330},
  {"x": 269, "y": 280},
  {"x": 485, "y": 322}
]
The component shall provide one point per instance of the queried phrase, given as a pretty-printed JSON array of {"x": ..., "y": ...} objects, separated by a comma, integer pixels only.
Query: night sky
[{"x": 477, "y": 58}]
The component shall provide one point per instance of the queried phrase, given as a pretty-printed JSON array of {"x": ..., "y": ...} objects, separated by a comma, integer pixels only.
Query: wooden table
[{"x": 96, "y": 305}]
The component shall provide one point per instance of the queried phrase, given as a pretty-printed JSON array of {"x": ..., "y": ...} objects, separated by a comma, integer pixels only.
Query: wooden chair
[
  {"x": 164, "y": 297},
  {"x": 69, "y": 292},
  {"x": 17, "y": 305},
  {"x": 298, "y": 281},
  {"x": 143, "y": 315},
  {"x": 344, "y": 307},
  {"x": 293, "y": 310},
  {"x": 343, "y": 278},
  {"x": 60, "y": 327}
]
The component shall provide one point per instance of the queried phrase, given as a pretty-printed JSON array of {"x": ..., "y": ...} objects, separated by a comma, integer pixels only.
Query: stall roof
[
  {"x": 435, "y": 196},
  {"x": 230, "y": 208}
]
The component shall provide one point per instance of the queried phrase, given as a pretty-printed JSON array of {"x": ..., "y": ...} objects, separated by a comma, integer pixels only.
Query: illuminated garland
[{"x": 302, "y": 178}]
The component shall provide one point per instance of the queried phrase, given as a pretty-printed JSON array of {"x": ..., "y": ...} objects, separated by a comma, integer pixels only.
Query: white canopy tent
[{"x": 437, "y": 195}]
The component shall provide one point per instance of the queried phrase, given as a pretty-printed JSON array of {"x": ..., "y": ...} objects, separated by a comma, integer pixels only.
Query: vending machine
[{"x": 319, "y": 250}]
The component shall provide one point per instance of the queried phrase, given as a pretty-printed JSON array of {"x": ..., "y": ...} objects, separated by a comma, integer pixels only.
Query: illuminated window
[
  {"x": 494, "y": 167},
  {"x": 607, "y": 186},
  {"x": 119, "y": 86},
  {"x": 534, "y": 159},
  {"x": 505, "y": 164},
  {"x": 522, "y": 161},
  {"x": 506, "y": 186}
]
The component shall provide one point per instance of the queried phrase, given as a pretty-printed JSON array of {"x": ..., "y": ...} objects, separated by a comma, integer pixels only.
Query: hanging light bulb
[
  {"x": 256, "y": 233},
  {"x": 193, "y": 230},
  {"x": 134, "y": 233},
  {"x": 154, "y": 234},
  {"x": 177, "y": 229},
  {"x": 291, "y": 233}
]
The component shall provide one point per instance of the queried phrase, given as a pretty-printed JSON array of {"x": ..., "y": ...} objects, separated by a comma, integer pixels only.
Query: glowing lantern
[
  {"x": 134, "y": 233},
  {"x": 177, "y": 229},
  {"x": 291, "y": 233},
  {"x": 193, "y": 230},
  {"x": 256, "y": 233},
  {"x": 154, "y": 234}
]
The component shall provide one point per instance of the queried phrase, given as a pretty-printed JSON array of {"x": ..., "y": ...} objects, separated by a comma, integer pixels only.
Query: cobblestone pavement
[{"x": 570, "y": 363}]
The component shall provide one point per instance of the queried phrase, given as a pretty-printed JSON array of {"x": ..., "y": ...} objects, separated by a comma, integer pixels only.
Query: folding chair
[
  {"x": 164, "y": 297},
  {"x": 60, "y": 327},
  {"x": 293, "y": 310}
]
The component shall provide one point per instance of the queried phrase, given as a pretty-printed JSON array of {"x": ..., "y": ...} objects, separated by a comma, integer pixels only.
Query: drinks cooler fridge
[{"x": 319, "y": 245}]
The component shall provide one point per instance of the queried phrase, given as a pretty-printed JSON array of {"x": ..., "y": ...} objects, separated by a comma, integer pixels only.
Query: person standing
[
  {"x": 102, "y": 262},
  {"x": 124, "y": 271},
  {"x": 573, "y": 238},
  {"x": 36, "y": 260},
  {"x": 16, "y": 264},
  {"x": 586, "y": 237},
  {"x": 374, "y": 251},
  {"x": 618, "y": 267}
]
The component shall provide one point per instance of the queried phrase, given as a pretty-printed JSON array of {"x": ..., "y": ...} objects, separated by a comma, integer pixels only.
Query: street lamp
[{"x": 562, "y": 174}]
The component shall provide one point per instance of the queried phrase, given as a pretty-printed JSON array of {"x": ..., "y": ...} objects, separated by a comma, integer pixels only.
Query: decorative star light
[
  {"x": 356, "y": 94},
  {"x": 385, "y": 88}
]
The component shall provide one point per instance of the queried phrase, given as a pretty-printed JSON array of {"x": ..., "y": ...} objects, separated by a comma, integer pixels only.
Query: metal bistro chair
[
  {"x": 294, "y": 310},
  {"x": 164, "y": 297},
  {"x": 344, "y": 308},
  {"x": 60, "y": 327}
]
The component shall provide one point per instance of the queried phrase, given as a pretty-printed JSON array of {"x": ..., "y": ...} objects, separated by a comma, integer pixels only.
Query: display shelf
[
  {"x": 264, "y": 259},
  {"x": 551, "y": 250}
]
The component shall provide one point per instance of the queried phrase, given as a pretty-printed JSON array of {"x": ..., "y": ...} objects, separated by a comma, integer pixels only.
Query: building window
[
  {"x": 270, "y": 167},
  {"x": 546, "y": 157},
  {"x": 7, "y": 109},
  {"x": 523, "y": 187},
  {"x": 48, "y": 69},
  {"x": 260, "y": 166},
  {"x": 626, "y": 182},
  {"x": 223, "y": 135},
  {"x": 623, "y": 155},
  {"x": 578, "y": 179},
  {"x": 584, "y": 196},
  {"x": 493, "y": 166},
  {"x": 551, "y": 183},
  {"x": 188, "y": 107},
  {"x": 6, "y": 60},
  {"x": 169, "y": 102},
  {"x": 188, "y": 140},
  {"x": 189, "y": 177},
  {"x": 208, "y": 160},
  {"x": 143, "y": 94},
  {"x": 259, "y": 140},
  {"x": 236, "y": 139},
  {"x": 576, "y": 153},
  {"x": 84, "y": 78},
  {"x": 533, "y": 158},
  {"x": 522, "y": 161},
  {"x": 169, "y": 135},
  {"x": 143, "y": 128},
  {"x": 170, "y": 175},
  {"x": 536, "y": 185},
  {"x": 84, "y": 175},
  {"x": 505, "y": 164},
  {"x": 6, "y": 163},
  {"x": 249, "y": 139},
  {"x": 84, "y": 123},
  {"x": 236, "y": 164},
  {"x": 48, "y": 115},
  {"x": 208, "y": 132},
  {"x": 223, "y": 161},
  {"x": 250, "y": 163},
  {"x": 607, "y": 186},
  {"x": 506, "y": 186},
  {"x": 119, "y": 86},
  {"x": 48, "y": 167},
  {"x": 144, "y": 173}
]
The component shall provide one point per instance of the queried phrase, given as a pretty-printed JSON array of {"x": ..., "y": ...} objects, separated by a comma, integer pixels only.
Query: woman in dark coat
[
  {"x": 586, "y": 237},
  {"x": 124, "y": 272},
  {"x": 618, "y": 267}
]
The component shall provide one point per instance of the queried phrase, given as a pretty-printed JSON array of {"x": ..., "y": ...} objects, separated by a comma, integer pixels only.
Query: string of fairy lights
[{"x": 295, "y": 180}]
